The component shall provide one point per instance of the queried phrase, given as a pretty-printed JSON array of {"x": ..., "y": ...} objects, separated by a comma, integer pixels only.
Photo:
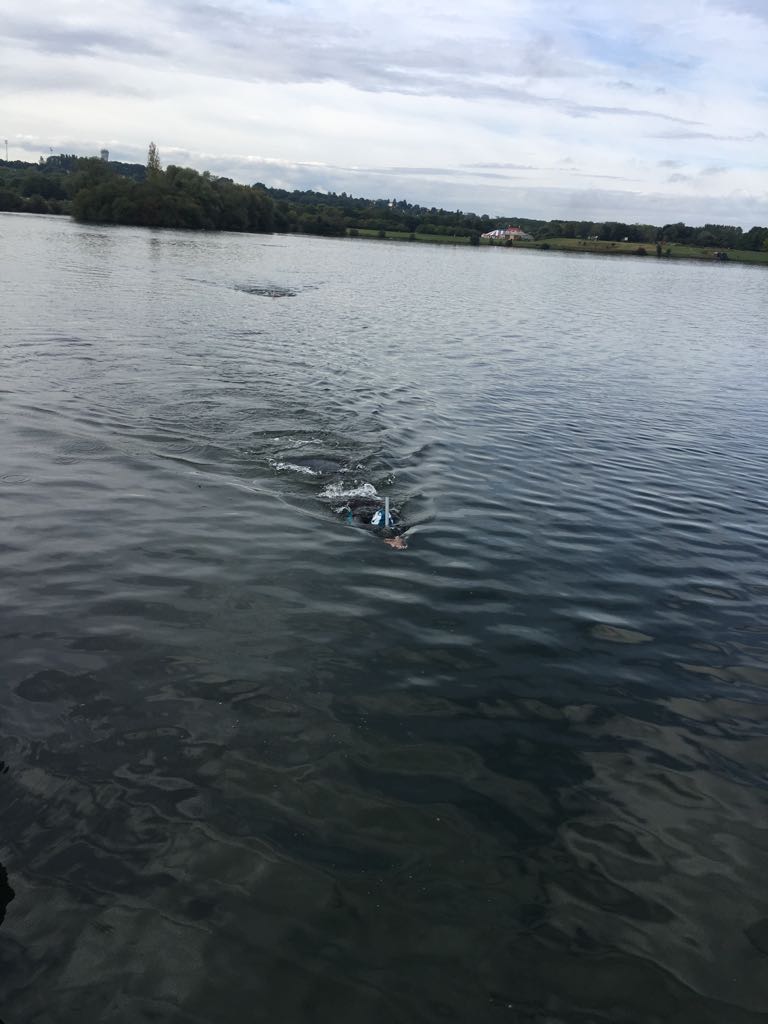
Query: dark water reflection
[{"x": 264, "y": 768}]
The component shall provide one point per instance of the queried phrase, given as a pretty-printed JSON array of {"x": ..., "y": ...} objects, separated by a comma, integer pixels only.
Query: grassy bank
[
  {"x": 668, "y": 250},
  {"x": 405, "y": 236},
  {"x": 648, "y": 250}
]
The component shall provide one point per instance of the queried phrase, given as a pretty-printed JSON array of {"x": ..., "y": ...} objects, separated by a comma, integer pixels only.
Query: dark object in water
[
  {"x": 270, "y": 293},
  {"x": 6, "y": 892},
  {"x": 362, "y": 511}
]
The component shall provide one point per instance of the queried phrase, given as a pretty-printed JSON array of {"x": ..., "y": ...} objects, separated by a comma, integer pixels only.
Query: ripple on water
[{"x": 258, "y": 759}]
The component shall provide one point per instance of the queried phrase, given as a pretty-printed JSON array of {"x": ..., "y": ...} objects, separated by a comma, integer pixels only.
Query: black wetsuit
[{"x": 363, "y": 510}]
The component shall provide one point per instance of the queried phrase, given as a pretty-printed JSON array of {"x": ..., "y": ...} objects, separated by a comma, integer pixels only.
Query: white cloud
[{"x": 452, "y": 105}]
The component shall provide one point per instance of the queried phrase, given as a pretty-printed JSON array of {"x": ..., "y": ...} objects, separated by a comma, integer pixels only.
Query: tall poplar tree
[{"x": 154, "y": 167}]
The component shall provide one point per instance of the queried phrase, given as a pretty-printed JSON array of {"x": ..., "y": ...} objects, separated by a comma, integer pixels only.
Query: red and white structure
[{"x": 513, "y": 234}]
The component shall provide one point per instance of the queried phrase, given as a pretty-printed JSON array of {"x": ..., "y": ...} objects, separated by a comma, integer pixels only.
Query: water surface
[{"x": 264, "y": 768}]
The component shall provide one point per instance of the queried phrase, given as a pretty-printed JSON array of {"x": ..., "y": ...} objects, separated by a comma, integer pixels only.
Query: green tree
[
  {"x": 36, "y": 183},
  {"x": 10, "y": 200},
  {"x": 36, "y": 204},
  {"x": 154, "y": 167},
  {"x": 90, "y": 172},
  {"x": 755, "y": 238}
]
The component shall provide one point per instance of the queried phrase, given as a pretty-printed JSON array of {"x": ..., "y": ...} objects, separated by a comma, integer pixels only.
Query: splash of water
[{"x": 342, "y": 490}]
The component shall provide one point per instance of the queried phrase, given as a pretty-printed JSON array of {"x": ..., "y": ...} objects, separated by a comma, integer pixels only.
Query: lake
[{"x": 263, "y": 767}]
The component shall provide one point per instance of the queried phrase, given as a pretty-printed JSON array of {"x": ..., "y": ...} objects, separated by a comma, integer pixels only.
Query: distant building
[
  {"x": 509, "y": 233},
  {"x": 104, "y": 154}
]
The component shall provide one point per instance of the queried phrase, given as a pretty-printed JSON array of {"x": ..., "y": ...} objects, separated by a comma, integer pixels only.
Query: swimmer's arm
[{"x": 398, "y": 542}]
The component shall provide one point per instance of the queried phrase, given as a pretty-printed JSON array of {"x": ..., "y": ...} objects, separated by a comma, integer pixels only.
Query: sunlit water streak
[{"x": 262, "y": 767}]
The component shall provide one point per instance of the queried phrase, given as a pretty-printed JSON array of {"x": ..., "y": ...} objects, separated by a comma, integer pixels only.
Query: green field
[
  {"x": 735, "y": 255},
  {"x": 404, "y": 236},
  {"x": 670, "y": 251}
]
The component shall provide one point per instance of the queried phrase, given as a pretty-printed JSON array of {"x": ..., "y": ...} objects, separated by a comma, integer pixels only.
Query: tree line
[
  {"x": 721, "y": 236},
  {"x": 113, "y": 192}
]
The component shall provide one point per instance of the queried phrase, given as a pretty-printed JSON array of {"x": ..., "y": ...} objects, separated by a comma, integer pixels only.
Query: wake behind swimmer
[{"x": 360, "y": 502}]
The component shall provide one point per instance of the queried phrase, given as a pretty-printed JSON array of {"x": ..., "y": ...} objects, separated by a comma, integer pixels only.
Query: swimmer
[{"x": 368, "y": 513}]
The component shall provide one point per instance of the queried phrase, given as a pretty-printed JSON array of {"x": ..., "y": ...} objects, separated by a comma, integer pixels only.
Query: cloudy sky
[{"x": 588, "y": 109}]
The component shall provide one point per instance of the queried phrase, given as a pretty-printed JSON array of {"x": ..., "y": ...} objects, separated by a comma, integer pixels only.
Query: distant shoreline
[
  {"x": 99, "y": 191},
  {"x": 669, "y": 251},
  {"x": 594, "y": 247}
]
